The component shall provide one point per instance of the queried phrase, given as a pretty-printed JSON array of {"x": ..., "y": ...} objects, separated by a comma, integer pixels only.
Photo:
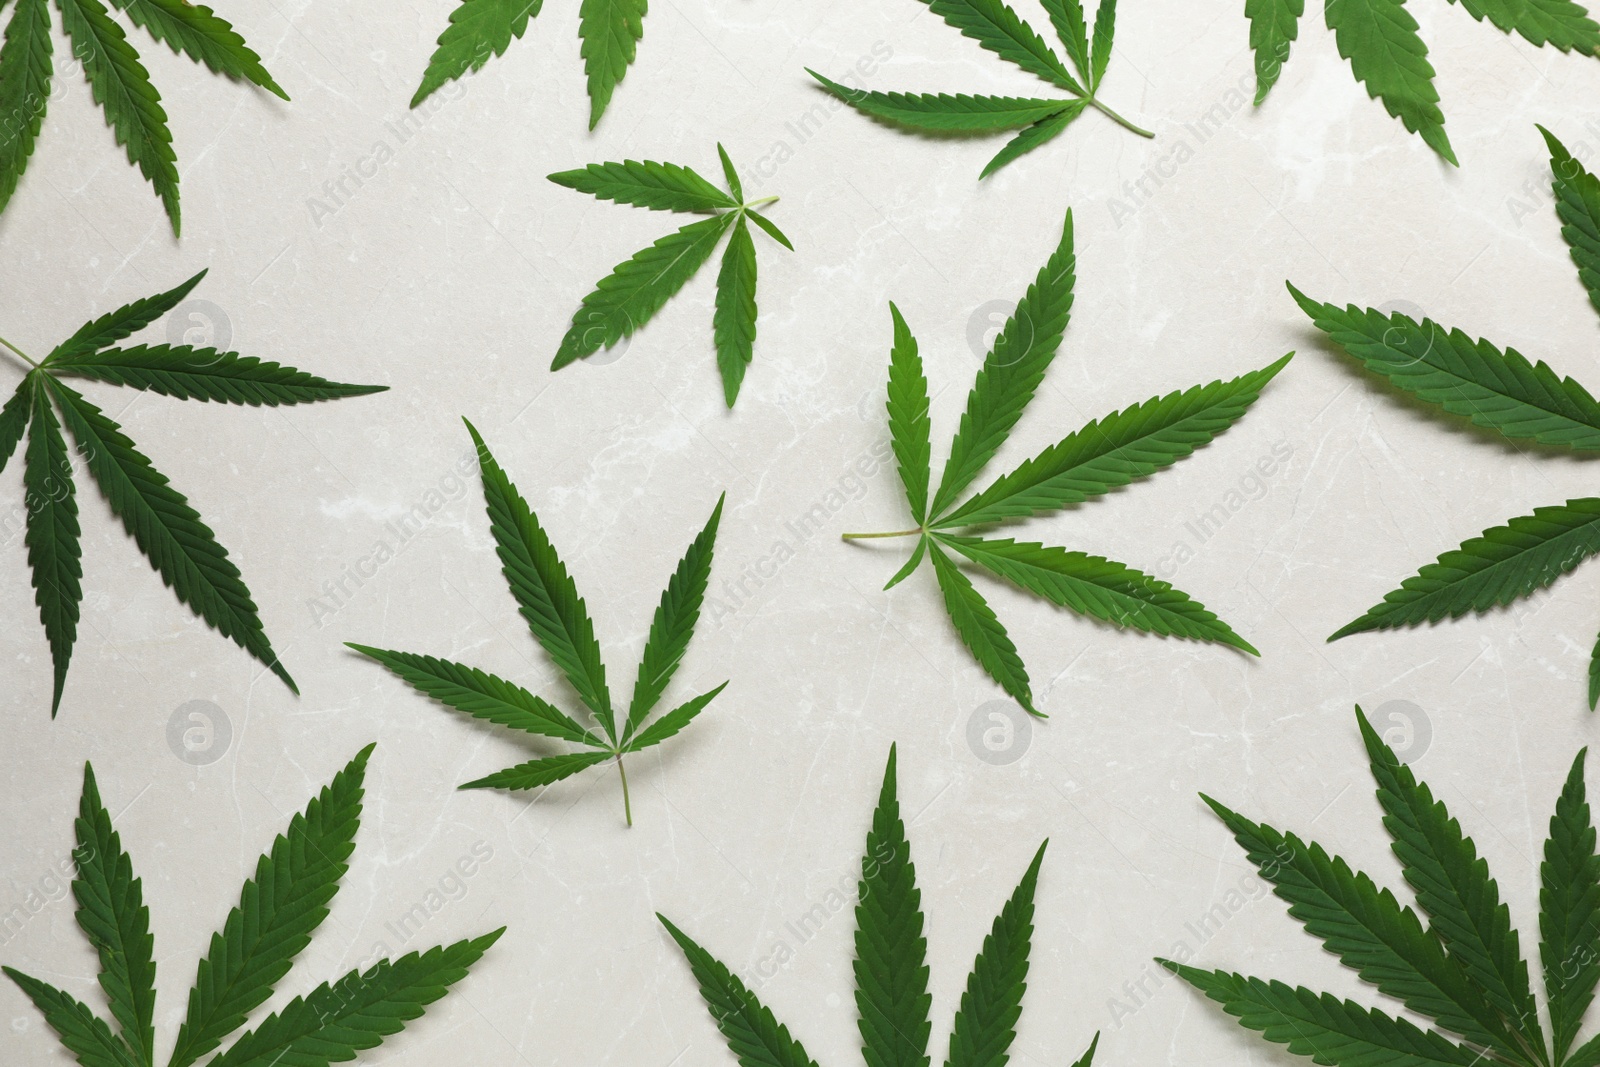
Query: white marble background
[{"x": 450, "y": 275}]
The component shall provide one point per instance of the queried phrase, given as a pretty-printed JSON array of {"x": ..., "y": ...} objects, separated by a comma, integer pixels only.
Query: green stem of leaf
[
  {"x": 1118, "y": 119},
  {"x": 897, "y": 533},
  {"x": 19, "y": 352},
  {"x": 627, "y": 804},
  {"x": 763, "y": 202}
]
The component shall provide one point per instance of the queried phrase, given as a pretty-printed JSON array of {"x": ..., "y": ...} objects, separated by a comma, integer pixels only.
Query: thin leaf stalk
[
  {"x": 896, "y": 533},
  {"x": 1118, "y": 119},
  {"x": 763, "y": 202},
  {"x": 627, "y": 804},
  {"x": 20, "y": 352}
]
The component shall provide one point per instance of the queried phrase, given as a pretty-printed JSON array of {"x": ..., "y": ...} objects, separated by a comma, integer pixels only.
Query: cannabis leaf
[
  {"x": 117, "y": 79},
  {"x": 1088, "y": 463},
  {"x": 1386, "y": 54},
  {"x": 559, "y": 620},
  {"x": 277, "y": 913},
  {"x": 891, "y": 971},
  {"x": 1459, "y": 963},
  {"x": 167, "y": 530},
  {"x": 1001, "y": 30},
  {"x": 610, "y": 31},
  {"x": 626, "y": 298},
  {"x": 1498, "y": 390}
]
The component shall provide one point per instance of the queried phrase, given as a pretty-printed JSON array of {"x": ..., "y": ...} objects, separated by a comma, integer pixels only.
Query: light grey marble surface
[{"x": 449, "y": 275}]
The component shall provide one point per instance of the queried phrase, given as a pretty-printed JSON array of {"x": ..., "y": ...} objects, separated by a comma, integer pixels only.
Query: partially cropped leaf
[
  {"x": 755, "y": 1038},
  {"x": 118, "y": 79},
  {"x": 25, "y": 71},
  {"x": 1388, "y": 56},
  {"x": 891, "y": 969},
  {"x": 198, "y": 32},
  {"x": 985, "y": 1024},
  {"x": 636, "y": 289},
  {"x": 608, "y": 30},
  {"x": 1495, "y": 568},
  {"x": 998, "y": 28},
  {"x": 113, "y": 916},
  {"x": 1379, "y": 38},
  {"x": 1104, "y": 455},
  {"x": 891, "y": 972},
  {"x": 559, "y": 620},
  {"x": 277, "y": 913},
  {"x": 1460, "y": 968},
  {"x": 1569, "y": 911},
  {"x": 478, "y": 29},
  {"x": 1453, "y": 886},
  {"x": 1561, "y": 23},
  {"x": 1578, "y": 206},
  {"x": 170, "y": 533},
  {"x": 1473, "y": 379},
  {"x": 1274, "y": 25},
  {"x": 1501, "y": 391}
]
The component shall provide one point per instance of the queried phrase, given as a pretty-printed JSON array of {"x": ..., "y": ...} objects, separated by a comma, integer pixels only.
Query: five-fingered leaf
[
  {"x": 637, "y": 288},
  {"x": 559, "y": 620},
  {"x": 609, "y": 32},
  {"x": 170, "y": 533},
  {"x": 118, "y": 81},
  {"x": 891, "y": 971},
  {"x": 1457, "y": 965},
  {"x": 1499, "y": 391},
  {"x": 999, "y": 29},
  {"x": 1104, "y": 455},
  {"x": 278, "y": 911},
  {"x": 1388, "y": 56}
]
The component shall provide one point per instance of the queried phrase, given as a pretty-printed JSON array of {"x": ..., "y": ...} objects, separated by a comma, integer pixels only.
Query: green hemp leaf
[
  {"x": 169, "y": 532},
  {"x": 609, "y": 29},
  {"x": 626, "y": 298},
  {"x": 118, "y": 81},
  {"x": 559, "y": 620},
  {"x": 1458, "y": 964},
  {"x": 1502, "y": 392},
  {"x": 1388, "y": 56},
  {"x": 1001, "y": 30},
  {"x": 891, "y": 970},
  {"x": 277, "y": 913},
  {"x": 1115, "y": 451}
]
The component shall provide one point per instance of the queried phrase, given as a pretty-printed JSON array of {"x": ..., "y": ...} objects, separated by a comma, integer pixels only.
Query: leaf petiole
[
  {"x": 627, "y": 804},
  {"x": 19, "y": 352},
  {"x": 763, "y": 202},
  {"x": 1118, "y": 119},
  {"x": 896, "y": 533}
]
